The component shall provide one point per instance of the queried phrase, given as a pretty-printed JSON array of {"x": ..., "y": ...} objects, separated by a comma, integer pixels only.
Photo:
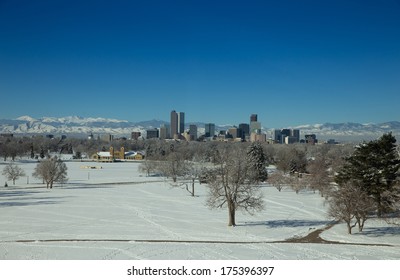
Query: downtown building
[
  {"x": 177, "y": 124},
  {"x": 287, "y": 136},
  {"x": 209, "y": 130},
  {"x": 255, "y": 130}
]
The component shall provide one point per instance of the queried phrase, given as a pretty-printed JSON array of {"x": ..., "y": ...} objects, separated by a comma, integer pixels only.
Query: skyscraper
[
  {"x": 245, "y": 130},
  {"x": 174, "y": 123},
  {"x": 210, "y": 129},
  {"x": 255, "y": 127},
  {"x": 165, "y": 131},
  {"x": 253, "y": 118},
  {"x": 296, "y": 134},
  {"x": 292, "y": 135},
  {"x": 193, "y": 132},
  {"x": 152, "y": 133},
  {"x": 181, "y": 122}
]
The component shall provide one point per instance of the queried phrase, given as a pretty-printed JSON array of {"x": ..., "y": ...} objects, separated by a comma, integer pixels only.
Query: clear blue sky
[{"x": 291, "y": 62}]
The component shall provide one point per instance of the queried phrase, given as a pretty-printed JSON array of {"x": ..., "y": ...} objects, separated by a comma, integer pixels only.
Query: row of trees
[
  {"x": 233, "y": 173},
  {"x": 357, "y": 182},
  {"x": 50, "y": 170},
  {"x": 229, "y": 169},
  {"x": 41, "y": 147}
]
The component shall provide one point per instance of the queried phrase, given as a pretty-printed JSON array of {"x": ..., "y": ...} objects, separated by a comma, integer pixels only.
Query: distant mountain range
[
  {"x": 79, "y": 126},
  {"x": 74, "y": 125},
  {"x": 351, "y": 131}
]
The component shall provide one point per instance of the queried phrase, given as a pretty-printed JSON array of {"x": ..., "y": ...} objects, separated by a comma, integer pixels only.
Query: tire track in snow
[
  {"x": 192, "y": 241},
  {"x": 296, "y": 209},
  {"x": 143, "y": 215}
]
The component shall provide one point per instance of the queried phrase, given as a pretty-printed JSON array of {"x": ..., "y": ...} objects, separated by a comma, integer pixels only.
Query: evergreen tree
[
  {"x": 42, "y": 153},
  {"x": 257, "y": 161},
  {"x": 32, "y": 152},
  {"x": 374, "y": 166}
]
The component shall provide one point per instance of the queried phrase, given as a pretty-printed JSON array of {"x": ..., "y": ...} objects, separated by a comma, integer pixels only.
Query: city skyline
[
  {"x": 179, "y": 130},
  {"x": 293, "y": 63}
]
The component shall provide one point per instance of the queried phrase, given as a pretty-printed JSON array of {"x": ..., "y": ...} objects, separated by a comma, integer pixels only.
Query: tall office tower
[
  {"x": 193, "y": 132},
  {"x": 255, "y": 126},
  {"x": 253, "y": 118},
  {"x": 278, "y": 136},
  {"x": 165, "y": 130},
  {"x": 288, "y": 136},
  {"x": 285, "y": 133},
  {"x": 295, "y": 133},
  {"x": 210, "y": 129},
  {"x": 174, "y": 123},
  {"x": 245, "y": 130},
  {"x": 181, "y": 122},
  {"x": 152, "y": 133}
]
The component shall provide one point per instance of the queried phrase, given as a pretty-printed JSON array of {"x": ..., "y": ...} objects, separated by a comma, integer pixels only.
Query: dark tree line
[
  {"x": 358, "y": 182},
  {"x": 40, "y": 147}
]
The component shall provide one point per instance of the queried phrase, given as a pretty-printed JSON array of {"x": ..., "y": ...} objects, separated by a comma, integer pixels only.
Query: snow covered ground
[{"x": 117, "y": 213}]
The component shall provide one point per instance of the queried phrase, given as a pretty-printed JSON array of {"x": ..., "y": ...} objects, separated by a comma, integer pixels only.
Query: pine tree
[
  {"x": 374, "y": 166},
  {"x": 258, "y": 161}
]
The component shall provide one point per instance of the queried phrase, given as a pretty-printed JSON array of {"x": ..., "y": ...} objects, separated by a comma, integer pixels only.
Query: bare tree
[
  {"x": 278, "y": 180},
  {"x": 233, "y": 184},
  {"x": 318, "y": 178},
  {"x": 291, "y": 159},
  {"x": 349, "y": 203},
  {"x": 298, "y": 181},
  {"x": 187, "y": 179},
  {"x": 173, "y": 166},
  {"x": 51, "y": 170},
  {"x": 8, "y": 149},
  {"x": 393, "y": 217},
  {"x": 194, "y": 170},
  {"x": 13, "y": 172},
  {"x": 336, "y": 156},
  {"x": 147, "y": 166}
]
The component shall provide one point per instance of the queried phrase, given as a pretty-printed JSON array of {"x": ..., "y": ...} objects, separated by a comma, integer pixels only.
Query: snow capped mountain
[
  {"x": 67, "y": 125},
  {"x": 75, "y": 125},
  {"x": 350, "y": 130},
  {"x": 26, "y": 118},
  {"x": 77, "y": 120}
]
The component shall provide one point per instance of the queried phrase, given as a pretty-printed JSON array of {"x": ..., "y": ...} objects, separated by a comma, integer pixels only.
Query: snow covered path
[{"x": 92, "y": 218}]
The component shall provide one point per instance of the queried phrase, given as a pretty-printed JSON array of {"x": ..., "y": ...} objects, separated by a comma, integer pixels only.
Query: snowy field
[{"x": 117, "y": 213}]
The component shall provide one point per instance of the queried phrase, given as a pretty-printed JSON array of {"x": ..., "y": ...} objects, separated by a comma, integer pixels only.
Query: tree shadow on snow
[
  {"x": 26, "y": 203},
  {"x": 27, "y": 198},
  {"x": 85, "y": 186},
  {"x": 17, "y": 193},
  {"x": 287, "y": 223},
  {"x": 380, "y": 231}
]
